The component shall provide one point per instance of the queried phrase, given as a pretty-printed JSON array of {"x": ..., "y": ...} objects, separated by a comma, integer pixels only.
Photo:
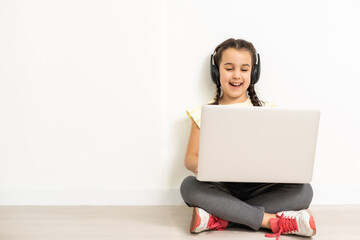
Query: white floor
[{"x": 149, "y": 222}]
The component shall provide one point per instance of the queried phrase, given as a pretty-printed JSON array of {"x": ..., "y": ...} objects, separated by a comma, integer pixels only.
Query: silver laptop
[{"x": 257, "y": 144}]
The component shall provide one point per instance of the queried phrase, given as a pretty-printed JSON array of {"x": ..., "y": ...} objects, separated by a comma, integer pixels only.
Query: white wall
[{"x": 93, "y": 93}]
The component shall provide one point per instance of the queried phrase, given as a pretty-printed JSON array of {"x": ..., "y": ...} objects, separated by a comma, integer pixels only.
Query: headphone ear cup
[
  {"x": 214, "y": 72},
  {"x": 255, "y": 73}
]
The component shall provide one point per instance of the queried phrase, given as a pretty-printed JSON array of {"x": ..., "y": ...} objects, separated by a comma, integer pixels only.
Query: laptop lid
[{"x": 257, "y": 144}]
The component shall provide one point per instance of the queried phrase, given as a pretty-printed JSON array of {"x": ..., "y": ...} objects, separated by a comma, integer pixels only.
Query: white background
[{"x": 93, "y": 93}]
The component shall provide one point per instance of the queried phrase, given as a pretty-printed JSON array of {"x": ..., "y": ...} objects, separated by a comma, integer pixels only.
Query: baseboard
[
  {"x": 335, "y": 196},
  {"x": 92, "y": 197},
  {"x": 143, "y": 197}
]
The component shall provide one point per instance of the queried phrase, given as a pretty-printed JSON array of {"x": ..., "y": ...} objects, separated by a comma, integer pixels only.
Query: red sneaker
[
  {"x": 293, "y": 222},
  {"x": 202, "y": 221}
]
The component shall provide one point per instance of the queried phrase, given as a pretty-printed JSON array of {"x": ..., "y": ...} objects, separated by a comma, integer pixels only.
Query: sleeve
[
  {"x": 268, "y": 104},
  {"x": 194, "y": 113}
]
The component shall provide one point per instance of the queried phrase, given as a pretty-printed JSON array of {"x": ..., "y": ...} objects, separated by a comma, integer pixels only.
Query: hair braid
[
  {"x": 218, "y": 95},
  {"x": 253, "y": 97}
]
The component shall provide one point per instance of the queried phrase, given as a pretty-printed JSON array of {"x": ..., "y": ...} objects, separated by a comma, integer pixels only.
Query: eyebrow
[{"x": 243, "y": 65}]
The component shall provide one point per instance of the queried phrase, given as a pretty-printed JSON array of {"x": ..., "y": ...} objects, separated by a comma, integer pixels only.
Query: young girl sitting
[{"x": 282, "y": 208}]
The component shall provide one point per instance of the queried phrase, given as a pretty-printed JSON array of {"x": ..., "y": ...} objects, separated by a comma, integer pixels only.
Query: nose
[{"x": 236, "y": 74}]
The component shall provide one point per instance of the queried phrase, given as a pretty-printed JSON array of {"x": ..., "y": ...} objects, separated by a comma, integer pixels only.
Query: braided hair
[
  {"x": 237, "y": 44},
  {"x": 218, "y": 94}
]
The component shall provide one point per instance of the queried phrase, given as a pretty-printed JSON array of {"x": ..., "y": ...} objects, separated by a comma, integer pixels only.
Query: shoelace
[
  {"x": 214, "y": 223},
  {"x": 287, "y": 225}
]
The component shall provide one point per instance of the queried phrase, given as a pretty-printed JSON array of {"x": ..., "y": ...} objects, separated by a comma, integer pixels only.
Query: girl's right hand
[{"x": 192, "y": 153}]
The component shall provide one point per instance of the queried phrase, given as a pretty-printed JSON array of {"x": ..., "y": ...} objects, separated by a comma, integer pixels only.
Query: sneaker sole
[
  {"x": 312, "y": 222},
  {"x": 195, "y": 221}
]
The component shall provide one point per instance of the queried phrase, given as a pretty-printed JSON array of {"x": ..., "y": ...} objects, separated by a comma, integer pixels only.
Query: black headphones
[{"x": 215, "y": 74}]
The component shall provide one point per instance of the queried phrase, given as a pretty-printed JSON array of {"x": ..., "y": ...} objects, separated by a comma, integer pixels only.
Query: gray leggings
[{"x": 245, "y": 203}]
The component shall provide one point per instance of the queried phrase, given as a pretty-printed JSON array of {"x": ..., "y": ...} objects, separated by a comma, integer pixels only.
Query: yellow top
[{"x": 194, "y": 113}]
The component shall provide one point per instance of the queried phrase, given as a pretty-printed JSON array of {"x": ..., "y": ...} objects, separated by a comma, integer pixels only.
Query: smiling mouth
[{"x": 236, "y": 84}]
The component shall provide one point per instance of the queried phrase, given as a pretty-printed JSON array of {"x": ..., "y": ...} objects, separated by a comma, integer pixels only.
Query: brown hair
[{"x": 237, "y": 44}]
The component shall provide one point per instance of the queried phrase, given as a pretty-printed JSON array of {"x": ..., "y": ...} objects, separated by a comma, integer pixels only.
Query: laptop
[{"x": 257, "y": 144}]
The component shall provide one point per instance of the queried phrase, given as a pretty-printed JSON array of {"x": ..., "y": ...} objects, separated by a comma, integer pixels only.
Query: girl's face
[{"x": 235, "y": 71}]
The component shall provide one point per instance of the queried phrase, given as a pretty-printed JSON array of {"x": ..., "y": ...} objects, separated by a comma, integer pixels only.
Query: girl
[{"x": 282, "y": 208}]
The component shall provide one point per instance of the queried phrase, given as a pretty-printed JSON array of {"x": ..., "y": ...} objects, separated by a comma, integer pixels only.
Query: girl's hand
[{"x": 192, "y": 153}]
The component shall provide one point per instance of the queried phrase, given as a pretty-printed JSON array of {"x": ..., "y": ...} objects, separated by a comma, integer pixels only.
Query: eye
[
  {"x": 244, "y": 70},
  {"x": 228, "y": 69}
]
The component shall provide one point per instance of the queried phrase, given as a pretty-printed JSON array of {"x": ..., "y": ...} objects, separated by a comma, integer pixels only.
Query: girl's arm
[{"x": 192, "y": 153}]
